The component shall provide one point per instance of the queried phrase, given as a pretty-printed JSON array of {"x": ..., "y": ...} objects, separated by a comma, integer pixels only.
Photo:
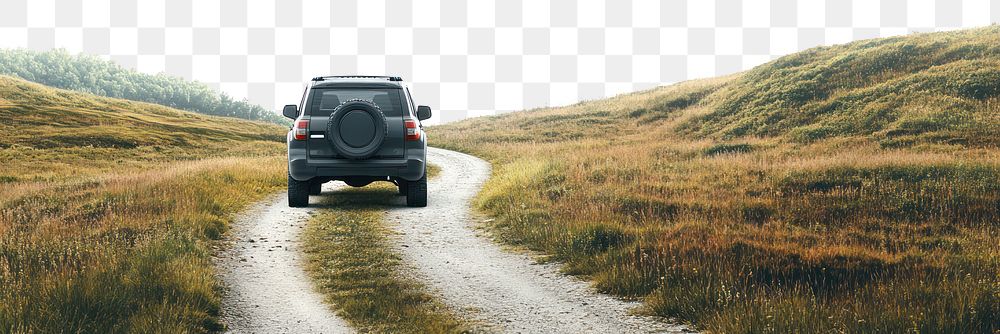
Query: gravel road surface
[
  {"x": 506, "y": 291},
  {"x": 267, "y": 290}
]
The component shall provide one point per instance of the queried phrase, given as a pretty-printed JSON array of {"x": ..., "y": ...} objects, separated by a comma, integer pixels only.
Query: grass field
[
  {"x": 108, "y": 209},
  {"x": 350, "y": 255},
  {"x": 852, "y": 188}
]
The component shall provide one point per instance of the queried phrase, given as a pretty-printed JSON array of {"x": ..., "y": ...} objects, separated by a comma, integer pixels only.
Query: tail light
[
  {"x": 412, "y": 129},
  {"x": 301, "y": 129}
]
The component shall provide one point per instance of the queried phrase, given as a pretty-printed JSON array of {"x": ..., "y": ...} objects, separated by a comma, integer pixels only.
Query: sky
[{"x": 464, "y": 59}]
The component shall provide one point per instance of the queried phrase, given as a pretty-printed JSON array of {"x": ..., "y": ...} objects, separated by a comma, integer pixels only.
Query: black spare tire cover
[{"x": 356, "y": 129}]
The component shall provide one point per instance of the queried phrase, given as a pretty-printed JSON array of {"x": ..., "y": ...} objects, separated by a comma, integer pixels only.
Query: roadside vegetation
[
  {"x": 108, "y": 209},
  {"x": 852, "y": 188},
  {"x": 90, "y": 74},
  {"x": 351, "y": 257}
]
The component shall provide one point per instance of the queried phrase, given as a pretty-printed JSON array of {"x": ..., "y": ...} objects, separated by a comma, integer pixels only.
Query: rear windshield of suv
[{"x": 325, "y": 100}]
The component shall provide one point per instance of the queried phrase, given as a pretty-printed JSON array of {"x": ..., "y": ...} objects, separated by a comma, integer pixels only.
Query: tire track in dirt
[
  {"x": 508, "y": 292},
  {"x": 266, "y": 287}
]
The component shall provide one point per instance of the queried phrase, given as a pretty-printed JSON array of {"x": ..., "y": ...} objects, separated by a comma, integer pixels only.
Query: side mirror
[
  {"x": 290, "y": 111},
  {"x": 423, "y": 112}
]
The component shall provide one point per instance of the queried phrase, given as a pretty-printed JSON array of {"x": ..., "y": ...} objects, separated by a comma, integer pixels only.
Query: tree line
[{"x": 90, "y": 74}]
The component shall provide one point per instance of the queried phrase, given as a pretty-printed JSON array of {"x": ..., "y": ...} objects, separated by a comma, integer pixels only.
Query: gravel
[
  {"x": 267, "y": 291},
  {"x": 505, "y": 291},
  {"x": 266, "y": 288}
]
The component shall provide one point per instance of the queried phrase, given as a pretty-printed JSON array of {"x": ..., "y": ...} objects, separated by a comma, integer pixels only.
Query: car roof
[{"x": 357, "y": 82}]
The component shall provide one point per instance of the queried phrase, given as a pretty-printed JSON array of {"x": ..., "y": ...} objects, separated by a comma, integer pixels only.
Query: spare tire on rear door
[{"x": 356, "y": 129}]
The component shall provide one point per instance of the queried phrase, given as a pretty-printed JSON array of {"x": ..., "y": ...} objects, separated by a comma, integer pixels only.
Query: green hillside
[
  {"x": 93, "y": 75},
  {"x": 922, "y": 88},
  {"x": 851, "y": 188},
  {"x": 108, "y": 208},
  {"x": 49, "y": 131}
]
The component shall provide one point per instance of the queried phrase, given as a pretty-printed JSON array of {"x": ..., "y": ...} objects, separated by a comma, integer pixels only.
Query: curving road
[
  {"x": 267, "y": 291},
  {"x": 508, "y": 292}
]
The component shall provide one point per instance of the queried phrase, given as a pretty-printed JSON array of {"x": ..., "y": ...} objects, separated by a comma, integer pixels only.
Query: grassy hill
[
  {"x": 851, "y": 188},
  {"x": 107, "y": 208},
  {"x": 89, "y": 74}
]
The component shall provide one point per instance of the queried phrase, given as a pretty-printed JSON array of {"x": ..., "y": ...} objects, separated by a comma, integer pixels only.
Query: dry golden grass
[
  {"x": 350, "y": 255},
  {"x": 743, "y": 211},
  {"x": 108, "y": 209},
  {"x": 124, "y": 252}
]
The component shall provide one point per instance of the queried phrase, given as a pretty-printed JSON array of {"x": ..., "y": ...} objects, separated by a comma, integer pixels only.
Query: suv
[{"x": 357, "y": 129}]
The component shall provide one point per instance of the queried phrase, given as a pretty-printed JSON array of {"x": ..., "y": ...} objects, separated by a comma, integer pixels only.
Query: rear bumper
[{"x": 303, "y": 169}]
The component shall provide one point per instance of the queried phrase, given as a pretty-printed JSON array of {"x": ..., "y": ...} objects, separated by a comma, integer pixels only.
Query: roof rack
[{"x": 357, "y": 76}]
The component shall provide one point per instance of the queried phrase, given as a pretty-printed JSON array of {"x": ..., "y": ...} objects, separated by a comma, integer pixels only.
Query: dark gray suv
[{"x": 357, "y": 129}]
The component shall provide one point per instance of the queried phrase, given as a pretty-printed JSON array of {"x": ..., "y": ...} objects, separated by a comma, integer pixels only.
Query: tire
[
  {"x": 298, "y": 193},
  {"x": 315, "y": 188},
  {"x": 402, "y": 184},
  {"x": 416, "y": 192},
  {"x": 356, "y": 129}
]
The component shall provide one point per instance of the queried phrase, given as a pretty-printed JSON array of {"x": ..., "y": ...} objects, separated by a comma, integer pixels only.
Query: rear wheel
[
  {"x": 315, "y": 188},
  {"x": 416, "y": 192},
  {"x": 298, "y": 193}
]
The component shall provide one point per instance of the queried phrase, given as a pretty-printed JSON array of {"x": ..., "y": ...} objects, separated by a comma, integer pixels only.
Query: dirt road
[
  {"x": 267, "y": 290},
  {"x": 507, "y": 291}
]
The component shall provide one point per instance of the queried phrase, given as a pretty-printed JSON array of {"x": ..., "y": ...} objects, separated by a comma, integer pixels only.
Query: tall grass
[
  {"x": 108, "y": 210},
  {"x": 128, "y": 253},
  {"x": 735, "y": 204}
]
